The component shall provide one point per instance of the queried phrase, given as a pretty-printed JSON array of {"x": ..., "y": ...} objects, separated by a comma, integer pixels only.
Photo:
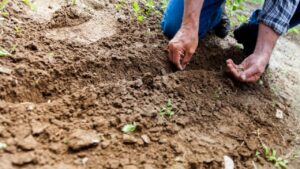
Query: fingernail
[{"x": 243, "y": 77}]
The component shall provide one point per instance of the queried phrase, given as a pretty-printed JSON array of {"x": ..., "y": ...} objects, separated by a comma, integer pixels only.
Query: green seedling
[
  {"x": 295, "y": 30},
  {"x": 32, "y": 6},
  {"x": 271, "y": 155},
  {"x": 18, "y": 29},
  {"x": 13, "y": 48},
  {"x": 232, "y": 6},
  {"x": 119, "y": 5},
  {"x": 3, "y": 5},
  {"x": 138, "y": 12},
  {"x": 150, "y": 7},
  {"x": 164, "y": 4},
  {"x": 3, "y": 145},
  {"x": 3, "y": 52},
  {"x": 74, "y": 2},
  {"x": 129, "y": 128},
  {"x": 168, "y": 110}
]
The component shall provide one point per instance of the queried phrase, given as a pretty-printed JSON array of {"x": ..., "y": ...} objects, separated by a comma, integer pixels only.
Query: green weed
[
  {"x": 138, "y": 12},
  {"x": 271, "y": 155},
  {"x": 120, "y": 4},
  {"x": 232, "y": 6},
  {"x": 3, "y": 5},
  {"x": 32, "y": 6},
  {"x": 129, "y": 128},
  {"x": 164, "y": 4},
  {"x": 3, "y": 52},
  {"x": 295, "y": 30},
  {"x": 74, "y": 2},
  {"x": 167, "y": 110}
]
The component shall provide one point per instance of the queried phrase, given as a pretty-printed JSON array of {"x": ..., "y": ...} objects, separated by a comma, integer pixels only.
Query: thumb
[
  {"x": 187, "y": 58},
  {"x": 249, "y": 74}
]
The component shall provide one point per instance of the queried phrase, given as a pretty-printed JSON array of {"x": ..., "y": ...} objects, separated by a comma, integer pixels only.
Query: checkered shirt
[{"x": 278, "y": 13}]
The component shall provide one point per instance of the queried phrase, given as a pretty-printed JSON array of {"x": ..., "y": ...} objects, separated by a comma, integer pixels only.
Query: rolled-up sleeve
[{"x": 277, "y": 14}]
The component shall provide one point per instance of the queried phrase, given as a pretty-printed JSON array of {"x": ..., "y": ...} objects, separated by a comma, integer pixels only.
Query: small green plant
[
  {"x": 150, "y": 7},
  {"x": 164, "y": 4},
  {"x": 129, "y": 128},
  {"x": 232, "y": 6},
  {"x": 74, "y": 2},
  {"x": 120, "y": 4},
  {"x": 32, "y": 6},
  {"x": 167, "y": 110},
  {"x": 3, "y": 52},
  {"x": 138, "y": 12},
  {"x": 18, "y": 29},
  {"x": 3, "y": 5},
  {"x": 271, "y": 155},
  {"x": 295, "y": 30}
]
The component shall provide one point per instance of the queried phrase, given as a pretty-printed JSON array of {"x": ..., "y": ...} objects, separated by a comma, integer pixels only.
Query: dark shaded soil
[{"x": 59, "y": 87}]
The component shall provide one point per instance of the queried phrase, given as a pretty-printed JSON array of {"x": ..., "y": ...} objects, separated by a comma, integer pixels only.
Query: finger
[
  {"x": 253, "y": 79},
  {"x": 233, "y": 68},
  {"x": 170, "y": 56},
  {"x": 249, "y": 73},
  {"x": 176, "y": 58},
  {"x": 230, "y": 62},
  {"x": 186, "y": 60}
]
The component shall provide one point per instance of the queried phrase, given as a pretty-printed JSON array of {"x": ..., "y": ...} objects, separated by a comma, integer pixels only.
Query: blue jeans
[{"x": 210, "y": 16}]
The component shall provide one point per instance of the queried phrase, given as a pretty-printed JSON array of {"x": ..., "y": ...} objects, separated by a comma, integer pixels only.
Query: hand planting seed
[{"x": 129, "y": 128}]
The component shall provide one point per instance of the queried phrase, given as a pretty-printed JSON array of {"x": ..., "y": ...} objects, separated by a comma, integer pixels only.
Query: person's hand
[
  {"x": 182, "y": 47},
  {"x": 251, "y": 69}
]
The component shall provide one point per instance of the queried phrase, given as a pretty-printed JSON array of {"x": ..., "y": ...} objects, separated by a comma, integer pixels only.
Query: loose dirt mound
[{"x": 65, "y": 101}]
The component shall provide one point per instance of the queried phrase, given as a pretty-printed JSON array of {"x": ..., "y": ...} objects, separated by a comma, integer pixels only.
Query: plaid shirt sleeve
[{"x": 277, "y": 14}]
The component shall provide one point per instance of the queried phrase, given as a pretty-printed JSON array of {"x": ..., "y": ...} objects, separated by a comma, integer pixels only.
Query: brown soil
[{"x": 59, "y": 90}]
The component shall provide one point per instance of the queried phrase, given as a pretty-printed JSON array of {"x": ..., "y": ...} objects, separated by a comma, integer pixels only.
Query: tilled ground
[{"x": 64, "y": 100}]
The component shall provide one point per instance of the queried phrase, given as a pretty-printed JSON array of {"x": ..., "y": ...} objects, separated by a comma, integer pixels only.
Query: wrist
[{"x": 190, "y": 28}]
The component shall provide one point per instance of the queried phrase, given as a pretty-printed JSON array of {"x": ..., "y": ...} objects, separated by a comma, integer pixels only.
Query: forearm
[
  {"x": 191, "y": 17},
  {"x": 266, "y": 40}
]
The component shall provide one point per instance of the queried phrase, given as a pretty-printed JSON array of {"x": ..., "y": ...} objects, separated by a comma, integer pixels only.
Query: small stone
[
  {"x": 228, "y": 163},
  {"x": 140, "y": 141},
  {"x": 29, "y": 143},
  {"x": 23, "y": 159},
  {"x": 279, "y": 114},
  {"x": 5, "y": 70},
  {"x": 163, "y": 71},
  {"x": 3, "y": 145},
  {"x": 38, "y": 128},
  {"x": 58, "y": 148},
  {"x": 30, "y": 107},
  {"x": 163, "y": 141},
  {"x": 139, "y": 83},
  {"x": 146, "y": 139},
  {"x": 130, "y": 167},
  {"x": 128, "y": 139},
  {"x": 80, "y": 139},
  {"x": 82, "y": 161},
  {"x": 148, "y": 166},
  {"x": 105, "y": 144}
]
